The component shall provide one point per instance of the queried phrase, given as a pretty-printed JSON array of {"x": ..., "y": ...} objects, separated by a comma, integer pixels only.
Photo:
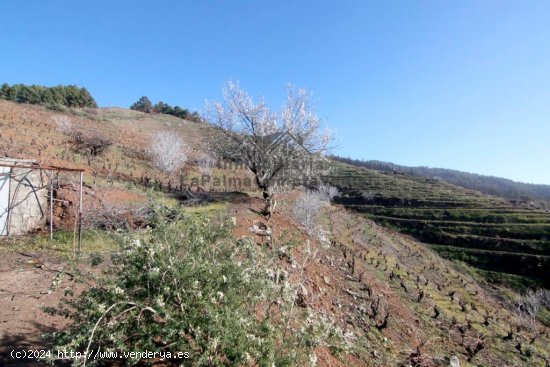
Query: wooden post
[
  {"x": 80, "y": 215},
  {"x": 8, "y": 218},
  {"x": 51, "y": 205}
]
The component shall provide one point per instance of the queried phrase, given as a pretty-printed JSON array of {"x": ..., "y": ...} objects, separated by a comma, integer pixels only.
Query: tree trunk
[
  {"x": 267, "y": 195},
  {"x": 268, "y": 204}
]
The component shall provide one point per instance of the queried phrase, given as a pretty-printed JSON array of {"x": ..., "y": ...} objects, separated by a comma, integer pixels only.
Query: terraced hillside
[{"x": 485, "y": 231}]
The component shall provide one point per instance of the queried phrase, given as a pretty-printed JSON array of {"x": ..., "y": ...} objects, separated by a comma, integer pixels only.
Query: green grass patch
[{"x": 64, "y": 244}]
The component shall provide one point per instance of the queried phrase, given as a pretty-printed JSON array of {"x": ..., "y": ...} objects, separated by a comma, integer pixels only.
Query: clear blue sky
[{"x": 455, "y": 84}]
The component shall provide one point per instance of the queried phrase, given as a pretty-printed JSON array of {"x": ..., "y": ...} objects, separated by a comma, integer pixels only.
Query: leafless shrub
[
  {"x": 83, "y": 140},
  {"x": 113, "y": 216},
  {"x": 64, "y": 124},
  {"x": 545, "y": 298},
  {"x": 527, "y": 309},
  {"x": 328, "y": 192},
  {"x": 93, "y": 142},
  {"x": 367, "y": 195},
  {"x": 206, "y": 163},
  {"x": 168, "y": 151},
  {"x": 307, "y": 209},
  {"x": 454, "y": 361}
]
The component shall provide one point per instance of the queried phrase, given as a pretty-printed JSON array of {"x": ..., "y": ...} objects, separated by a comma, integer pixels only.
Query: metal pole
[
  {"x": 51, "y": 205},
  {"x": 80, "y": 215}
]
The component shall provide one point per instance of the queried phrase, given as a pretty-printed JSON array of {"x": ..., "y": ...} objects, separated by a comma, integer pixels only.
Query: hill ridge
[{"x": 487, "y": 184}]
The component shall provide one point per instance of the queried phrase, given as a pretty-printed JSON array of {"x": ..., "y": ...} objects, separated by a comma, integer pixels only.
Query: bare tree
[
  {"x": 307, "y": 208},
  {"x": 368, "y": 195},
  {"x": 168, "y": 151},
  {"x": 83, "y": 139},
  {"x": 328, "y": 192},
  {"x": 64, "y": 124},
  {"x": 546, "y": 298},
  {"x": 527, "y": 309},
  {"x": 280, "y": 149},
  {"x": 206, "y": 163}
]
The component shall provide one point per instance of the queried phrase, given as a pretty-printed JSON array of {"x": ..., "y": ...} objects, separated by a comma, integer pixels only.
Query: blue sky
[{"x": 454, "y": 84}]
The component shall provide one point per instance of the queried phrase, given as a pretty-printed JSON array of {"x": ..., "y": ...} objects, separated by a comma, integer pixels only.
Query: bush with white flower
[{"x": 186, "y": 286}]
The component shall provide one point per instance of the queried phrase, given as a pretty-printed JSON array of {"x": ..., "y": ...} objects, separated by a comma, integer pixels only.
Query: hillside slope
[
  {"x": 30, "y": 131},
  {"x": 490, "y": 185},
  {"x": 397, "y": 301},
  {"x": 486, "y": 231}
]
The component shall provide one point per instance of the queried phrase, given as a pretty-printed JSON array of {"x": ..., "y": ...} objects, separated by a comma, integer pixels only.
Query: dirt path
[{"x": 25, "y": 287}]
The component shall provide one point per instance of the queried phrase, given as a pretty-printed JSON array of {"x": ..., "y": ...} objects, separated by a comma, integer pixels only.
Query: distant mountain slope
[
  {"x": 490, "y": 185},
  {"x": 485, "y": 231}
]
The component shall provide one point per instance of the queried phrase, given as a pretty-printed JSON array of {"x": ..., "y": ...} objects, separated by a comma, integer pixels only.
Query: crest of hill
[{"x": 490, "y": 185}]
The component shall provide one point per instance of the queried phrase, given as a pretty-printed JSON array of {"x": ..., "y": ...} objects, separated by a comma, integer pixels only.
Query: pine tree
[{"x": 143, "y": 104}]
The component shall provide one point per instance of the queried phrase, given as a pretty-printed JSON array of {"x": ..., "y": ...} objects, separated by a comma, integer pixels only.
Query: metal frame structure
[{"x": 49, "y": 171}]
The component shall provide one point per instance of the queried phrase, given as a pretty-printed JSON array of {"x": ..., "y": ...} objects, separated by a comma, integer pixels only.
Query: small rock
[
  {"x": 301, "y": 297},
  {"x": 260, "y": 229},
  {"x": 454, "y": 362}
]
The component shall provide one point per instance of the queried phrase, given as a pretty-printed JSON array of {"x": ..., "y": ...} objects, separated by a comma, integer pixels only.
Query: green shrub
[
  {"x": 186, "y": 286},
  {"x": 56, "y": 107}
]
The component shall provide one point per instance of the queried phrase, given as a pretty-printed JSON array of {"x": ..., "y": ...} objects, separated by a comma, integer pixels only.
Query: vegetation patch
[
  {"x": 185, "y": 286},
  {"x": 488, "y": 232}
]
